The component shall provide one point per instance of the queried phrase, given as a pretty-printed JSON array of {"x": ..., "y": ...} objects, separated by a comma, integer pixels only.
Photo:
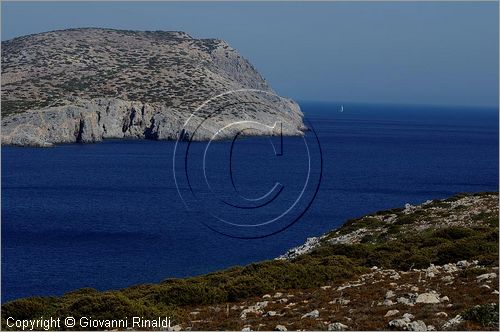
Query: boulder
[
  {"x": 337, "y": 327},
  {"x": 312, "y": 314},
  {"x": 428, "y": 298}
]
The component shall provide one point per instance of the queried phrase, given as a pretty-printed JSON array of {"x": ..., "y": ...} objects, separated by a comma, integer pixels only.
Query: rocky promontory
[{"x": 89, "y": 84}]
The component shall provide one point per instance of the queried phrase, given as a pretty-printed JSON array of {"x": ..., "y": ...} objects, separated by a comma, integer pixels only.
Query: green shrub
[{"x": 486, "y": 314}]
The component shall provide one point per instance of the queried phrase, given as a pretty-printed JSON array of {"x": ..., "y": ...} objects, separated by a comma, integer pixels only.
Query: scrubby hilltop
[
  {"x": 428, "y": 267},
  {"x": 88, "y": 84}
]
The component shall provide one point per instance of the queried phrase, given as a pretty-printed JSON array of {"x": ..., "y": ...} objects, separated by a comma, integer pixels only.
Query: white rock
[
  {"x": 312, "y": 314},
  {"x": 444, "y": 299},
  {"x": 429, "y": 298},
  {"x": 278, "y": 295},
  {"x": 452, "y": 322},
  {"x": 175, "y": 328},
  {"x": 262, "y": 305},
  {"x": 450, "y": 268},
  {"x": 246, "y": 329},
  {"x": 486, "y": 276},
  {"x": 337, "y": 327},
  {"x": 388, "y": 302},
  {"x": 447, "y": 278},
  {"x": 267, "y": 296},
  {"x": 403, "y": 300},
  {"x": 416, "y": 326},
  {"x": 399, "y": 324},
  {"x": 390, "y": 294},
  {"x": 408, "y": 317},
  {"x": 463, "y": 264},
  {"x": 391, "y": 313},
  {"x": 442, "y": 314},
  {"x": 280, "y": 328}
]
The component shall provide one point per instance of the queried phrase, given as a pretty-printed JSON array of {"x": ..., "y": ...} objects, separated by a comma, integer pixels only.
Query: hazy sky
[{"x": 385, "y": 52}]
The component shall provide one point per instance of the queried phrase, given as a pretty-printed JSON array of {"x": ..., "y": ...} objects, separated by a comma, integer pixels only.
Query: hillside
[
  {"x": 88, "y": 84},
  {"x": 425, "y": 267}
]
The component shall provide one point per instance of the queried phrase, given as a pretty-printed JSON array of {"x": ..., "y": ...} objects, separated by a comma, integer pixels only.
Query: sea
[{"x": 124, "y": 212}]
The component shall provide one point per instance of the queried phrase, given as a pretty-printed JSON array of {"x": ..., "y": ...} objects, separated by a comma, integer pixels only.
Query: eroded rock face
[{"x": 86, "y": 85}]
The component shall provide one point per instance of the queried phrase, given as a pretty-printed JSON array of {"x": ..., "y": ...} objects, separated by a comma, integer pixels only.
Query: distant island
[
  {"x": 89, "y": 84},
  {"x": 428, "y": 267}
]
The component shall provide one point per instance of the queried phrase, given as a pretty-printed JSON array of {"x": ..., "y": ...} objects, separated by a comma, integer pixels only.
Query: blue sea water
[{"x": 109, "y": 215}]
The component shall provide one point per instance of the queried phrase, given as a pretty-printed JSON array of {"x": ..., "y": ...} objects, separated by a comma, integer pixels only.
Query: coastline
[{"x": 404, "y": 242}]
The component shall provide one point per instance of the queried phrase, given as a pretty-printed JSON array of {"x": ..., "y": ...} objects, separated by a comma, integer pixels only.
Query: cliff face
[{"x": 85, "y": 85}]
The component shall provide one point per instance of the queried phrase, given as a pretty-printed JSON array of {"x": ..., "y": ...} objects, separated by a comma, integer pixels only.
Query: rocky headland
[
  {"x": 432, "y": 266},
  {"x": 89, "y": 84}
]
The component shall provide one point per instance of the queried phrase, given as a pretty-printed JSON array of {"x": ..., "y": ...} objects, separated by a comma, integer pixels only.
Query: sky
[{"x": 432, "y": 53}]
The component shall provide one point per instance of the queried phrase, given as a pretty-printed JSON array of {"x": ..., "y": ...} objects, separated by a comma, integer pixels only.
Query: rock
[
  {"x": 280, "y": 328},
  {"x": 337, "y": 327},
  {"x": 312, "y": 314},
  {"x": 416, "y": 326},
  {"x": 441, "y": 314},
  {"x": 495, "y": 292},
  {"x": 246, "y": 329},
  {"x": 278, "y": 295},
  {"x": 271, "y": 313},
  {"x": 447, "y": 278},
  {"x": 429, "y": 298},
  {"x": 282, "y": 300},
  {"x": 431, "y": 271},
  {"x": 310, "y": 244},
  {"x": 175, "y": 328},
  {"x": 485, "y": 286},
  {"x": 262, "y": 305},
  {"x": 403, "y": 300},
  {"x": 486, "y": 276},
  {"x": 395, "y": 276},
  {"x": 399, "y": 324},
  {"x": 408, "y": 317},
  {"x": 266, "y": 296},
  {"x": 390, "y": 294},
  {"x": 80, "y": 103},
  {"x": 444, "y": 299},
  {"x": 431, "y": 328},
  {"x": 341, "y": 301},
  {"x": 391, "y": 313},
  {"x": 325, "y": 287},
  {"x": 453, "y": 322},
  {"x": 450, "y": 268},
  {"x": 414, "y": 288},
  {"x": 388, "y": 302},
  {"x": 463, "y": 264},
  {"x": 256, "y": 309}
]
